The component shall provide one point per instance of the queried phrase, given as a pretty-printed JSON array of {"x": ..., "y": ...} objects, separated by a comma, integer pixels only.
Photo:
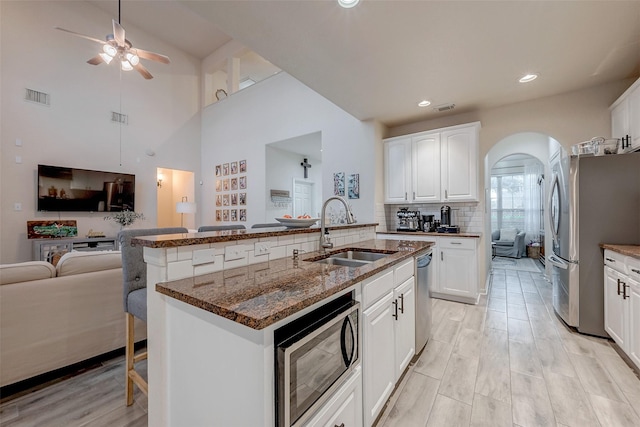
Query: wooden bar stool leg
[{"x": 129, "y": 350}]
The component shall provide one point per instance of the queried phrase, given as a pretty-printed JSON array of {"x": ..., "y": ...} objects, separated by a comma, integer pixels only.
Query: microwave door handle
[{"x": 343, "y": 345}]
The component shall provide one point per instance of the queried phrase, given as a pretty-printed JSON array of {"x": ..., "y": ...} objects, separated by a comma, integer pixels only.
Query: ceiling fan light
[
  {"x": 106, "y": 58},
  {"x": 109, "y": 50},
  {"x": 132, "y": 58},
  {"x": 347, "y": 4},
  {"x": 126, "y": 65}
]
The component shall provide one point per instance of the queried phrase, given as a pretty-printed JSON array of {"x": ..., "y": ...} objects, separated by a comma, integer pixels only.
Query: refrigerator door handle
[
  {"x": 558, "y": 262},
  {"x": 554, "y": 185}
]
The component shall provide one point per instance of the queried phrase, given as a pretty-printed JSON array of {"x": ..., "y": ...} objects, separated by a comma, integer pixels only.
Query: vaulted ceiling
[{"x": 379, "y": 59}]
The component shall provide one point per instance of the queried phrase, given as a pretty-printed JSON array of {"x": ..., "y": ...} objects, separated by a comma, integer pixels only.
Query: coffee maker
[
  {"x": 448, "y": 220},
  {"x": 408, "y": 220},
  {"x": 428, "y": 224}
]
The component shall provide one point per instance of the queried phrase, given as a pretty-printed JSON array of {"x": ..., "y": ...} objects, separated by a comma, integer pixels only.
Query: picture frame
[
  {"x": 218, "y": 215},
  {"x": 354, "y": 186},
  {"x": 219, "y": 200},
  {"x": 234, "y": 215},
  {"x": 225, "y": 200},
  {"x": 218, "y": 185},
  {"x": 243, "y": 199},
  {"x": 234, "y": 199},
  {"x": 218, "y": 170},
  {"x": 225, "y": 184},
  {"x": 338, "y": 184},
  {"x": 234, "y": 184},
  {"x": 225, "y": 169},
  {"x": 225, "y": 215},
  {"x": 243, "y": 166},
  {"x": 243, "y": 182},
  {"x": 243, "y": 214},
  {"x": 234, "y": 168}
]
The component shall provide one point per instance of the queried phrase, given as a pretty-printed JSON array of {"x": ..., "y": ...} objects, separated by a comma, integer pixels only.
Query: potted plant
[{"x": 124, "y": 218}]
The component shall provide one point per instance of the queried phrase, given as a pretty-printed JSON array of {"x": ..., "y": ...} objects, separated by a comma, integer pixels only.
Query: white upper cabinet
[
  {"x": 625, "y": 118},
  {"x": 397, "y": 170},
  {"x": 460, "y": 164},
  {"x": 439, "y": 166},
  {"x": 425, "y": 155}
]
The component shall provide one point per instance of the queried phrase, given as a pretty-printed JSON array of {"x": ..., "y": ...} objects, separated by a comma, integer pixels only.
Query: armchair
[{"x": 509, "y": 248}]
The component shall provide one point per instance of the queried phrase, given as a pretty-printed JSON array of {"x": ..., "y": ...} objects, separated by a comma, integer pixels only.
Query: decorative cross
[{"x": 306, "y": 165}]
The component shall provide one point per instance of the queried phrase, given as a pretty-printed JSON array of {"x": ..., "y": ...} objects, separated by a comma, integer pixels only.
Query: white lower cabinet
[
  {"x": 622, "y": 302},
  {"x": 458, "y": 269},
  {"x": 388, "y": 329},
  {"x": 344, "y": 408}
]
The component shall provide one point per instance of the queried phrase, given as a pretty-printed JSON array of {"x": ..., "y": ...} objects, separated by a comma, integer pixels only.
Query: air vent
[
  {"x": 119, "y": 118},
  {"x": 444, "y": 107},
  {"x": 37, "y": 97}
]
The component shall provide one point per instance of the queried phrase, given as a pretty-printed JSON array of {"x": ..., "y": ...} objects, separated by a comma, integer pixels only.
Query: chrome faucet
[{"x": 325, "y": 241}]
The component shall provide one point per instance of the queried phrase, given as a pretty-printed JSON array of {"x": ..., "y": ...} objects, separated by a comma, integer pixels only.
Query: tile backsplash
[{"x": 470, "y": 214}]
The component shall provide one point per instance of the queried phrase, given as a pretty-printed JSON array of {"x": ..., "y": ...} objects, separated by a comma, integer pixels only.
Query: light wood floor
[
  {"x": 511, "y": 362},
  {"x": 506, "y": 362}
]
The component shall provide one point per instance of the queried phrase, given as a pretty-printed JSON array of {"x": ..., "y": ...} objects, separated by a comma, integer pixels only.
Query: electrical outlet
[
  {"x": 234, "y": 252},
  {"x": 17, "y": 206},
  {"x": 204, "y": 256},
  {"x": 18, "y": 142},
  {"x": 18, "y": 159},
  {"x": 261, "y": 248}
]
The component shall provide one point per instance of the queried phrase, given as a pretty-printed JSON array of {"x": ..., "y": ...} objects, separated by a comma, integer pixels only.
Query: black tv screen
[{"x": 82, "y": 190}]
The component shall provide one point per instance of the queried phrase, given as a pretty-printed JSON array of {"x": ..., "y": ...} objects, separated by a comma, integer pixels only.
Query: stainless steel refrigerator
[{"x": 593, "y": 200}]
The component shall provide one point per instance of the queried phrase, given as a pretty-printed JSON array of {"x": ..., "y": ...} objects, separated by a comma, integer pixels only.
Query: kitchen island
[{"x": 211, "y": 335}]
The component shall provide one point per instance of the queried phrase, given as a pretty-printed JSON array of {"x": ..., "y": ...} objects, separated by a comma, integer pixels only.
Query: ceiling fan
[{"x": 116, "y": 46}]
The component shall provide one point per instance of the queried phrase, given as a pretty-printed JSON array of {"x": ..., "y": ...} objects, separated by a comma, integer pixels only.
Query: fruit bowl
[{"x": 297, "y": 222}]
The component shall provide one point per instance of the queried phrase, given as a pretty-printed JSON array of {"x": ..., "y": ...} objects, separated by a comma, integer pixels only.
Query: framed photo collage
[{"x": 231, "y": 191}]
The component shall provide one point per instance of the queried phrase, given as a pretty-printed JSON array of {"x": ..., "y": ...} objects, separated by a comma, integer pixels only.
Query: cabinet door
[
  {"x": 344, "y": 408},
  {"x": 634, "y": 322},
  {"x": 458, "y": 274},
  {"x": 460, "y": 164},
  {"x": 378, "y": 356},
  {"x": 634, "y": 118},
  {"x": 397, "y": 170},
  {"x": 614, "y": 307},
  {"x": 405, "y": 325},
  {"x": 620, "y": 120},
  {"x": 426, "y": 168}
]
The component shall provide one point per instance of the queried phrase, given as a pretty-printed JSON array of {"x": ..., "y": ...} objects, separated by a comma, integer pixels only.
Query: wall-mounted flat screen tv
[{"x": 83, "y": 190}]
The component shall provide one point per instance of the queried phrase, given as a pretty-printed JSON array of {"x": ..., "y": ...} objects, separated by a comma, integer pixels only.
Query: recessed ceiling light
[
  {"x": 347, "y": 4},
  {"x": 424, "y": 103},
  {"x": 528, "y": 78}
]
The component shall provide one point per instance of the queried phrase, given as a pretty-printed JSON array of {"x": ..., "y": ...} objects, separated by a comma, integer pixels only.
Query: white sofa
[{"x": 52, "y": 317}]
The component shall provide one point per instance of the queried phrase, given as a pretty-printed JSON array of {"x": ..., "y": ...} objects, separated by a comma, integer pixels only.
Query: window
[{"x": 507, "y": 201}]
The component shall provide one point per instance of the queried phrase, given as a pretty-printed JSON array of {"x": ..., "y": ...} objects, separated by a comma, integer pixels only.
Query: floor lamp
[{"x": 184, "y": 207}]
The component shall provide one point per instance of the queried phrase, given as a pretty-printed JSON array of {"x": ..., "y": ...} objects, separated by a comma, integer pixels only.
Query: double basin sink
[{"x": 353, "y": 258}]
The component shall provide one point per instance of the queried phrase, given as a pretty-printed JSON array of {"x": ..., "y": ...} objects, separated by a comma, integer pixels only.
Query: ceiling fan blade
[
  {"x": 96, "y": 60},
  {"x": 143, "y": 71},
  {"x": 81, "y": 35},
  {"x": 145, "y": 54},
  {"x": 118, "y": 33}
]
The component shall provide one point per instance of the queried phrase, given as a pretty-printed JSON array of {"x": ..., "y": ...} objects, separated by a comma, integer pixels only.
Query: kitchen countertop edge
[
  {"x": 344, "y": 277},
  {"x": 428, "y": 233},
  {"x": 629, "y": 250}
]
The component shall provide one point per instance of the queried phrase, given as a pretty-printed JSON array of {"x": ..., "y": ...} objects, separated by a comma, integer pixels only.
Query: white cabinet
[
  {"x": 397, "y": 170},
  {"x": 434, "y": 166},
  {"x": 622, "y": 302},
  {"x": 344, "y": 408},
  {"x": 625, "y": 118},
  {"x": 425, "y": 176},
  {"x": 457, "y": 270},
  {"x": 616, "y": 308},
  {"x": 460, "y": 164},
  {"x": 405, "y": 325},
  {"x": 388, "y": 323}
]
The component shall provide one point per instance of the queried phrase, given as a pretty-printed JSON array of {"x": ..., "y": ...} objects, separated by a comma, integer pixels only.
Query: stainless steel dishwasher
[{"x": 423, "y": 302}]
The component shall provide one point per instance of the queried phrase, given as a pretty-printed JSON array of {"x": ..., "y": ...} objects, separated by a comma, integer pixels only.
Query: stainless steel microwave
[{"x": 314, "y": 356}]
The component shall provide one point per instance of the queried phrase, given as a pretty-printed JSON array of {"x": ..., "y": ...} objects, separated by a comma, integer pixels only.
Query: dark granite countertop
[
  {"x": 261, "y": 294},
  {"x": 424, "y": 233},
  {"x": 629, "y": 250},
  {"x": 188, "y": 239}
]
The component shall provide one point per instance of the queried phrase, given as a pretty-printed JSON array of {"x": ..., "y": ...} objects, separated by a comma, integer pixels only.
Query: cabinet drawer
[
  {"x": 633, "y": 268},
  {"x": 377, "y": 286},
  {"x": 344, "y": 407},
  {"x": 614, "y": 260},
  {"x": 404, "y": 271},
  {"x": 459, "y": 243}
]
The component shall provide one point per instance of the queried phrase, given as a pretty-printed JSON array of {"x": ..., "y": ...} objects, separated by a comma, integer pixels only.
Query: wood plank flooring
[
  {"x": 511, "y": 362},
  {"x": 508, "y": 361}
]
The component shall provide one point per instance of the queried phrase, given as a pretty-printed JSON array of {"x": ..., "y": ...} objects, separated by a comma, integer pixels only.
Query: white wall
[
  {"x": 75, "y": 130},
  {"x": 275, "y": 109}
]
